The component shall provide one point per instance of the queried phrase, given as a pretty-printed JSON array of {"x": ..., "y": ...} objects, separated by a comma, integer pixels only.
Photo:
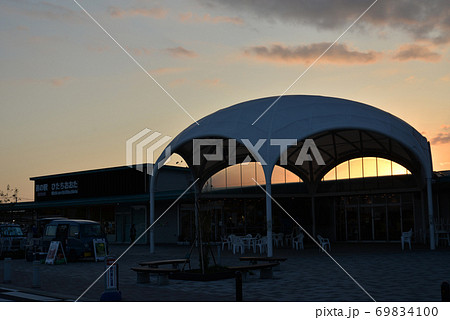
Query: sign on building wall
[{"x": 56, "y": 188}]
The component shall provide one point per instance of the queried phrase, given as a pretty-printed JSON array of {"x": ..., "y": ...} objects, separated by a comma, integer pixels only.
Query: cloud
[
  {"x": 207, "y": 18},
  {"x": 415, "y": 52},
  {"x": 42, "y": 10},
  {"x": 427, "y": 20},
  {"x": 177, "y": 82},
  {"x": 156, "y": 13},
  {"x": 211, "y": 82},
  {"x": 180, "y": 52},
  {"x": 163, "y": 71},
  {"x": 140, "y": 51},
  {"x": 306, "y": 54},
  {"x": 445, "y": 78},
  {"x": 58, "y": 82},
  {"x": 100, "y": 49}
]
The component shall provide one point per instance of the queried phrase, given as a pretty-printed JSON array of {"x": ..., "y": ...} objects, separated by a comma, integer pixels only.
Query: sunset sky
[{"x": 70, "y": 97}]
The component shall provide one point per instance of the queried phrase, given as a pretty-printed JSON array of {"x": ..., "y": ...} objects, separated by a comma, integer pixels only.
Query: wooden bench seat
[
  {"x": 254, "y": 260},
  {"x": 173, "y": 262},
  {"x": 143, "y": 274},
  {"x": 264, "y": 273}
]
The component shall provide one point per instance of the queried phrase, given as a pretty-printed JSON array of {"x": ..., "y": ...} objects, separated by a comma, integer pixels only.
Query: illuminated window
[
  {"x": 278, "y": 175},
  {"x": 365, "y": 168},
  {"x": 248, "y": 174},
  {"x": 356, "y": 168},
  {"x": 244, "y": 175},
  {"x": 342, "y": 171}
]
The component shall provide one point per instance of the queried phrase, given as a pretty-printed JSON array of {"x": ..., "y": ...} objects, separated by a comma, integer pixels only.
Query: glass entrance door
[
  {"x": 352, "y": 223},
  {"x": 379, "y": 223},
  {"x": 394, "y": 223},
  {"x": 366, "y": 225},
  {"x": 372, "y": 218}
]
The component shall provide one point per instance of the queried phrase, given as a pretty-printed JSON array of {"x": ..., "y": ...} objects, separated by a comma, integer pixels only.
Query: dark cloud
[
  {"x": 415, "y": 52},
  {"x": 188, "y": 17},
  {"x": 424, "y": 20},
  {"x": 306, "y": 54},
  {"x": 442, "y": 137}
]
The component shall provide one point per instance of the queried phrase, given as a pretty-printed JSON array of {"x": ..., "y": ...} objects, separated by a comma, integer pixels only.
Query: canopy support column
[
  {"x": 431, "y": 214},
  {"x": 269, "y": 217},
  {"x": 429, "y": 177},
  {"x": 152, "y": 213},
  {"x": 313, "y": 215}
]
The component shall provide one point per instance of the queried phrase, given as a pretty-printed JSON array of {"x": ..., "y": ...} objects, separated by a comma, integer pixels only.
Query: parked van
[{"x": 75, "y": 236}]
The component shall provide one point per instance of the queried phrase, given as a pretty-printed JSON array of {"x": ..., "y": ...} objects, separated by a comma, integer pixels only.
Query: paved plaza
[{"x": 383, "y": 270}]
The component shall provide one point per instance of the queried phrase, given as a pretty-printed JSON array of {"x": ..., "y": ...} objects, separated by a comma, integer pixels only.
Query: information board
[{"x": 99, "y": 249}]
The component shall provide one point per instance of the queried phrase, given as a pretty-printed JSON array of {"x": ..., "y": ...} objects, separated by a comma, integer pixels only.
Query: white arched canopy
[{"x": 341, "y": 129}]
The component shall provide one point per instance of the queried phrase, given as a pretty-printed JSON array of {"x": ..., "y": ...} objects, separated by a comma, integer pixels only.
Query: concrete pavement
[{"x": 383, "y": 270}]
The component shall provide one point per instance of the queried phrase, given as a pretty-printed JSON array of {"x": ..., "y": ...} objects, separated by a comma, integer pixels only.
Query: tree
[{"x": 10, "y": 196}]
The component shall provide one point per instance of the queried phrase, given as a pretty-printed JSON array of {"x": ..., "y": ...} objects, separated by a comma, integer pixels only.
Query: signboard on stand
[
  {"x": 52, "y": 255},
  {"x": 99, "y": 249}
]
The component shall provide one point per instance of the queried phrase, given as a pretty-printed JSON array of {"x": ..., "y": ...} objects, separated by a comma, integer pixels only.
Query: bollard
[
  {"x": 445, "y": 291},
  {"x": 219, "y": 260},
  {"x": 112, "y": 292},
  {"x": 7, "y": 270},
  {"x": 238, "y": 275},
  {"x": 36, "y": 274}
]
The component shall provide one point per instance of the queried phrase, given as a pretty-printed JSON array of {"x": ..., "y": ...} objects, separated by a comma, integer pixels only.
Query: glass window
[
  {"x": 248, "y": 174},
  {"x": 407, "y": 198},
  {"x": 278, "y": 175},
  {"x": 331, "y": 175},
  {"x": 384, "y": 167},
  {"x": 74, "y": 231},
  {"x": 398, "y": 169},
  {"x": 292, "y": 177},
  {"x": 379, "y": 223},
  {"x": 370, "y": 167},
  {"x": 379, "y": 199},
  {"x": 91, "y": 230},
  {"x": 50, "y": 231},
  {"x": 234, "y": 176},
  {"x": 342, "y": 170},
  {"x": 393, "y": 198},
  {"x": 219, "y": 180},
  {"x": 260, "y": 174},
  {"x": 356, "y": 170}
]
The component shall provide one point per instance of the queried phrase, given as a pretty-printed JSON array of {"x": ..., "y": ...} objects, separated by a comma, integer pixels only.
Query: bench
[
  {"x": 143, "y": 274},
  {"x": 265, "y": 269},
  {"x": 254, "y": 260},
  {"x": 173, "y": 262}
]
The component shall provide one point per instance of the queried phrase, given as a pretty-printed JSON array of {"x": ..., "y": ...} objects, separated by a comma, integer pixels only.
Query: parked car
[
  {"x": 75, "y": 236},
  {"x": 12, "y": 240}
]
